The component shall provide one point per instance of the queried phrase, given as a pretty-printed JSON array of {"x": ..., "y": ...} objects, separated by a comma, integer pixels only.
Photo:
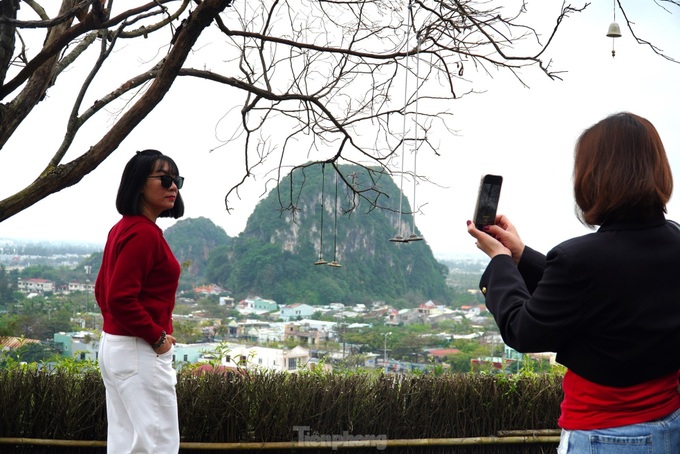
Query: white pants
[{"x": 141, "y": 402}]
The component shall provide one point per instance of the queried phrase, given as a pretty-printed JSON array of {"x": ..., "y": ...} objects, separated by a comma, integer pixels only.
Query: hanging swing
[
  {"x": 321, "y": 261},
  {"x": 400, "y": 237},
  {"x": 335, "y": 233}
]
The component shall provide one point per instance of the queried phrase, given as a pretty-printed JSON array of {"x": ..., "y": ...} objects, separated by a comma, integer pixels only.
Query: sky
[{"x": 525, "y": 134}]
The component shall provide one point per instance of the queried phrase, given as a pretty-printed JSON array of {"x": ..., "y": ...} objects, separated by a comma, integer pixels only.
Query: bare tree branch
[
  {"x": 639, "y": 40},
  {"x": 319, "y": 81},
  {"x": 56, "y": 178}
]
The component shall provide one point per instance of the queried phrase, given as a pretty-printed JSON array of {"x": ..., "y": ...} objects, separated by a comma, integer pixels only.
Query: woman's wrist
[
  {"x": 159, "y": 343},
  {"x": 517, "y": 256}
]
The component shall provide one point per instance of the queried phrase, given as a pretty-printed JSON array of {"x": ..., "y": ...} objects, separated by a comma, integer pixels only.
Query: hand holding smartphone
[{"x": 487, "y": 200}]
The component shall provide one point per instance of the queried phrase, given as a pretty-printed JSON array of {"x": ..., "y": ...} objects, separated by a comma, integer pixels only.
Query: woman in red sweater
[
  {"x": 608, "y": 303},
  {"x": 135, "y": 290}
]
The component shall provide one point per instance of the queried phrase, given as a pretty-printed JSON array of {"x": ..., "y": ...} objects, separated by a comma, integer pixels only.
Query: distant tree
[
  {"x": 460, "y": 362},
  {"x": 314, "y": 78},
  {"x": 464, "y": 298},
  {"x": 218, "y": 267},
  {"x": 187, "y": 332},
  {"x": 59, "y": 275},
  {"x": 9, "y": 325},
  {"x": 7, "y": 287},
  {"x": 94, "y": 262},
  {"x": 410, "y": 347},
  {"x": 210, "y": 306},
  {"x": 369, "y": 339},
  {"x": 32, "y": 352},
  {"x": 40, "y": 325}
]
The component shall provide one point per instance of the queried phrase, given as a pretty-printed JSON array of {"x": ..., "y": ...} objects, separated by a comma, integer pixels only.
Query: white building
[
  {"x": 270, "y": 359},
  {"x": 257, "y": 306},
  {"x": 80, "y": 345},
  {"x": 35, "y": 285},
  {"x": 266, "y": 334},
  {"x": 297, "y": 311},
  {"x": 81, "y": 287}
]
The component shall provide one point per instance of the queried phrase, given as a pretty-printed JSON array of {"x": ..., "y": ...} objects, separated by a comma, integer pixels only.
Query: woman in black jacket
[{"x": 608, "y": 303}]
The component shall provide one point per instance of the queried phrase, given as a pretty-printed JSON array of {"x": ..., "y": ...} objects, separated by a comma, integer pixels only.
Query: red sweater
[
  {"x": 138, "y": 279},
  {"x": 589, "y": 406}
]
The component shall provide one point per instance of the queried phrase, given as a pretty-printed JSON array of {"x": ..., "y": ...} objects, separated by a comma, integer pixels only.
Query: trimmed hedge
[{"x": 277, "y": 407}]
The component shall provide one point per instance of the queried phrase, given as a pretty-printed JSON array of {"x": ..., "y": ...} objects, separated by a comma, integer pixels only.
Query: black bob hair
[{"x": 142, "y": 164}]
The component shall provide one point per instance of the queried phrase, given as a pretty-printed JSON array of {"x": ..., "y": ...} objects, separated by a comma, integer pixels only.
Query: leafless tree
[{"x": 321, "y": 80}]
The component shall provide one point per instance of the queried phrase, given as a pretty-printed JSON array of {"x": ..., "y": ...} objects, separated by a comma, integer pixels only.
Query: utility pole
[
  {"x": 385, "y": 350},
  {"x": 88, "y": 270}
]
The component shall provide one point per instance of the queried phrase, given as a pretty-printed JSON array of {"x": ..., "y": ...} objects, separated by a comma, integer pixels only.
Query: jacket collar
[{"x": 656, "y": 220}]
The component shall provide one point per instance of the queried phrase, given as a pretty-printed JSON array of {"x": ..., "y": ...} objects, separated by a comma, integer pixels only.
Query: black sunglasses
[{"x": 167, "y": 180}]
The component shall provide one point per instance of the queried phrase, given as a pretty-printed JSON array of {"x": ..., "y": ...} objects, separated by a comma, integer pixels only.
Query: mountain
[
  {"x": 192, "y": 240},
  {"x": 302, "y": 220}
]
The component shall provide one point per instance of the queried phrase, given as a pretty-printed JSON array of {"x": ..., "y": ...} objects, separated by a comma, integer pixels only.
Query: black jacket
[{"x": 608, "y": 303}]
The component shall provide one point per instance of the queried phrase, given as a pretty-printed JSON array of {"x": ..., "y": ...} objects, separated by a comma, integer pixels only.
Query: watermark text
[{"x": 344, "y": 439}]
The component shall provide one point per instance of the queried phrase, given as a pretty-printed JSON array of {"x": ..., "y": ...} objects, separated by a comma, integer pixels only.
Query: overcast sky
[{"x": 525, "y": 134}]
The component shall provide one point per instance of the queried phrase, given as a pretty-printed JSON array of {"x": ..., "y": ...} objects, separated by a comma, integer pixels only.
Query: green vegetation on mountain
[
  {"x": 274, "y": 257},
  {"x": 192, "y": 240}
]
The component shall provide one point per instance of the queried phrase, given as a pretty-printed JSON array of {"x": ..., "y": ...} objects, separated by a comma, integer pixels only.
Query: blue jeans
[{"x": 655, "y": 437}]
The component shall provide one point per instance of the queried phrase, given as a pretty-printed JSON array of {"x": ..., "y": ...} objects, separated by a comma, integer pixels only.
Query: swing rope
[
  {"x": 399, "y": 237},
  {"x": 413, "y": 236},
  {"x": 335, "y": 235},
  {"x": 321, "y": 261}
]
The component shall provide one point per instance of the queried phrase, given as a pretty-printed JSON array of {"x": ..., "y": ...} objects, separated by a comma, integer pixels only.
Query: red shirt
[
  {"x": 588, "y": 406},
  {"x": 138, "y": 279}
]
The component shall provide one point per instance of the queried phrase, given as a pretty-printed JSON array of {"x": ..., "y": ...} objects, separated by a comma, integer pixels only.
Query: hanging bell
[{"x": 614, "y": 30}]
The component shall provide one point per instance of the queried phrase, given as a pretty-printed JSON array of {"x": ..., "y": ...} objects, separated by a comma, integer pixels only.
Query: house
[
  {"x": 297, "y": 311},
  {"x": 80, "y": 345},
  {"x": 306, "y": 334},
  {"x": 378, "y": 309},
  {"x": 9, "y": 343},
  {"x": 250, "y": 327},
  {"x": 370, "y": 360},
  {"x": 488, "y": 363},
  {"x": 234, "y": 356},
  {"x": 256, "y": 305},
  {"x": 35, "y": 285},
  {"x": 443, "y": 313},
  {"x": 269, "y": 359},
  {"x": 431, "y": 313},
  {"x": 211, "y": 289},
  {"x": 195, "y": 353},
  {"x": 392, "y": 317},
  {"x": 439, "y": 355},
  {"x": 232, "y": 328},
  {"x": 226, "y": 301},
  {"x": 404, "y": 317},
  {"x": 512, "y": 355},
  {"x": 81, "y": 287},
  {"x": 321, "y": 325},
  {"x": 426, "y": 309},
  {"x": 344, "y": 314},
  {"x": 264, "y": 334},
  {"x": 336, "y": 306}
]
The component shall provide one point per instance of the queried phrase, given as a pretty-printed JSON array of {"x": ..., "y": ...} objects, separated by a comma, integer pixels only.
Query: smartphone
[{"x": 487, "y": 200}]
